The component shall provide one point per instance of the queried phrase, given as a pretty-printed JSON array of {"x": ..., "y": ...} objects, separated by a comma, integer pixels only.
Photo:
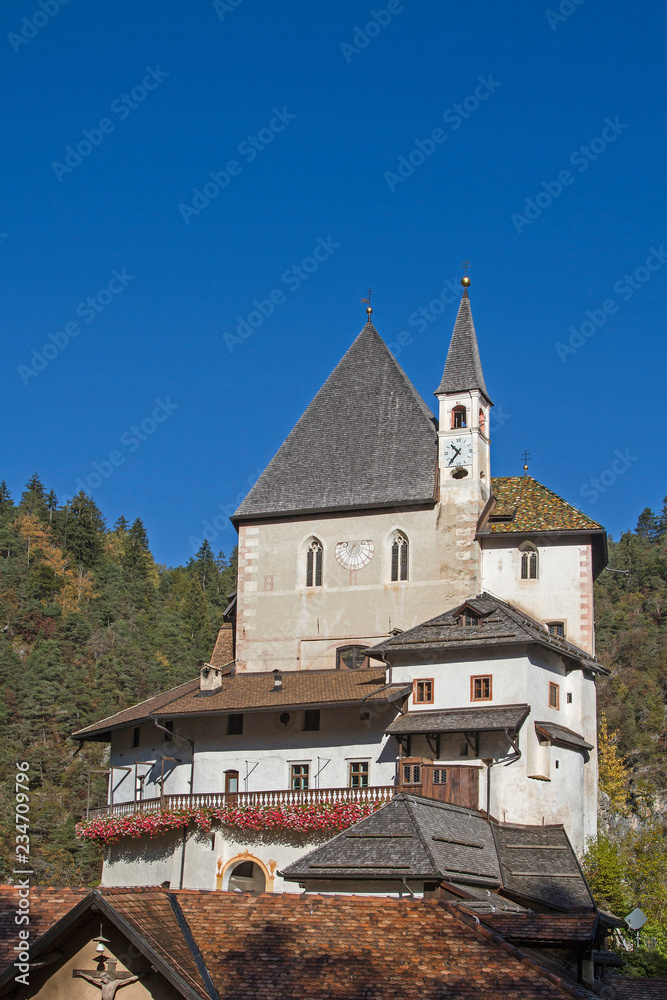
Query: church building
[{"x": 403, "y": 624}]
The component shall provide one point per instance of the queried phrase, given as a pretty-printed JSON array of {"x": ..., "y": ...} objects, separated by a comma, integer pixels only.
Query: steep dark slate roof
[
  {"x": 560, "y": 734},
  {"x": 463, "y": 368},
  {"x": 500, "y": 624},
  {"x": 412, "y": 837},
  {"x": 538, "y": 864},
  {"x": 462, "y": 720},
  {"x": 366, "y": 440}
]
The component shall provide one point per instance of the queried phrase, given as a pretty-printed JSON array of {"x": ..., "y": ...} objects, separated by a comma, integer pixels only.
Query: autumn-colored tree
[{"x": 614, "y": 775}]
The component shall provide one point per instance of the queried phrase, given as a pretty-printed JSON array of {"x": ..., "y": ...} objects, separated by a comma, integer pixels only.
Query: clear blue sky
[{"x": 305, "y": 109}]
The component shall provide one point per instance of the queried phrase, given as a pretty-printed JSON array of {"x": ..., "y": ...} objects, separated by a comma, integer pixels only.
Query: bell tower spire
[{"x": 463, "y": 434}]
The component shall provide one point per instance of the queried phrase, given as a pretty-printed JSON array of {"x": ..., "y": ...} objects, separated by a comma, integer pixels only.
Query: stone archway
[{"x": 253, "y": 875}]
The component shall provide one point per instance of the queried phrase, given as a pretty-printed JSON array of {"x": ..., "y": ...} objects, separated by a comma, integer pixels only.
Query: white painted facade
[{"x": 282, "y": 623}]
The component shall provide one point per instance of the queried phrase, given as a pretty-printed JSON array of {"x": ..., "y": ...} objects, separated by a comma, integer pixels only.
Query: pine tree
[
  {"x": 6, "y": 502},
  {"x": 136, "y": 560},
  {"x": 33, "y": 499},
  {"x": 205, "y": 566},
  {"x": 85, "y": 530},
  {"x": 648, "y": 525},
  {"x": 51, "y": 505},
  {"x": 121, "y": 526}
]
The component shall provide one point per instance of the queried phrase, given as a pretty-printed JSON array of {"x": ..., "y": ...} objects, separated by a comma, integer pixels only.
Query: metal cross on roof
[
  {"x": 526, "y": 456},
  {"x": 465, "y": 265}
]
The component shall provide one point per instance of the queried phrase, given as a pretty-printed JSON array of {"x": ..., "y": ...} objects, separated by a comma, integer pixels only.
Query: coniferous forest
[{"x": 90, "y": 624}]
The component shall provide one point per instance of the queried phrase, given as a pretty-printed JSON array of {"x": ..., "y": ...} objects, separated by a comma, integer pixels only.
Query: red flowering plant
[{"x": 307, "y": 818}]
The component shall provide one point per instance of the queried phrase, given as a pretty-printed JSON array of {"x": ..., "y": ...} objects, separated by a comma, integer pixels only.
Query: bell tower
[{"x": 464, "y": 459}]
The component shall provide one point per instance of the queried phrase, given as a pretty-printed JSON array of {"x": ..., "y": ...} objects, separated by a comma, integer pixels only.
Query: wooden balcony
[{"x": 217, "y": 800}]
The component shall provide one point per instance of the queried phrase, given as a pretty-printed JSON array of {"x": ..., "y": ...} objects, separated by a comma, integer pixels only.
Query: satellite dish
[{"x": 636, "y": 919}]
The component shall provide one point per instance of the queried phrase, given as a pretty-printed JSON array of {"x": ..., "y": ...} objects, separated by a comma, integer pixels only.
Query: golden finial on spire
[
  {"x": 465, "y": 280},
  {"x": 526, "y": 456},
  {"x": 368, "y": 307}
]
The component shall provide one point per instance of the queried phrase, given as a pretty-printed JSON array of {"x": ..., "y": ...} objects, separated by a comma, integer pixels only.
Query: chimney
[
  {"x": 277, "y": 680},
  {"x": 210, "y": 678}
]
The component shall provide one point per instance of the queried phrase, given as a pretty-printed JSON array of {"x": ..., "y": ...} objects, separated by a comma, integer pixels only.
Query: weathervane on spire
[
  {"x": 465, "y": 280},
  {"x": 526, "y": 456},
  {"x": 368, "y": 305}
]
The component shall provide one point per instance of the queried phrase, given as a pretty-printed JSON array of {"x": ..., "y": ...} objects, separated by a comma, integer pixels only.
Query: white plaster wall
[
  {"x": 262, "y": 754},
  {"x": 564, "y": 589}
]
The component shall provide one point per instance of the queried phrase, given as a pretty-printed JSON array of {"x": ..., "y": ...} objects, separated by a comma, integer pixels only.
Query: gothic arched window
[
  {"x": 314, "y": 563},
  {"x": 528, "y": 561},
  {"x": 399, "y": 557}
]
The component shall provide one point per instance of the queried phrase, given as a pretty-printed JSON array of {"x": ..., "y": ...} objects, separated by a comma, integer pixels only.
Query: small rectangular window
[
  {"x": 480, "y": 688},
  {"x": 557, "y": 629},
  {"x": 170, "y": 727},
  {"x": 412, "y": 774},
  {"x": 136, "y": 736},
  {"x": 359, "y": 774},
  {"x": 554, "y": 695},
  {"x": 464, "y": 749},
  {"x": 311, "y": 720},
  {"x": 423, "y": 692},
  {"x": 299, "y": 774},
  {"x": 568, "y": 697},
  {"x": 234, "y": 725},
  {"x": 439, "y": 775}
]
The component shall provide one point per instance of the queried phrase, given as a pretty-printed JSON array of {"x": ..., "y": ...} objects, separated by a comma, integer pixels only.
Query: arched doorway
[{"x": 245, "y": 876}]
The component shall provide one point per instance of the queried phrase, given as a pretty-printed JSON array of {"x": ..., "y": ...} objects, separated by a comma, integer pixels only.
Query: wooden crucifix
[{"x": 108, "y": 982}]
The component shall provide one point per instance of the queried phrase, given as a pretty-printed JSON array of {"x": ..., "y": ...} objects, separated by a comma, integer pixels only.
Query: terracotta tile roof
[
  {"x": 534, "y": 507},
  {"x": 276, "y": 946},
  {"x": 47, "y": 906},
  {"x": 256, "y": 692},
  {"x": 500, "y": 624},
  {"x": 223, "y": 651},
  {"x": 151, "y": 912},
  {"x": 366, "y": 440}
]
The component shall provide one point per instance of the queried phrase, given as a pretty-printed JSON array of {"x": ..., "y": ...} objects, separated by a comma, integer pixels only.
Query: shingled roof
[
  {"x": 366, "y": 440},
  {"x": 210, "y": 945},
  {"x": 420, "y": 839},
  {"x": 256, "y": 692},
  {"x": 525, "y": 506},
  {"x": 500, "y": 624},
  {"x": 463, "y": 367}
]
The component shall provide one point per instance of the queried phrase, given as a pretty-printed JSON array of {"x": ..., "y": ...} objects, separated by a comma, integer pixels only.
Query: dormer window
[
  {"x": 458, "y": 417},
  {"x": 469, "y": 618},
  {"x": 314, "y": 564},
  {"x": 528, "y": 561}
]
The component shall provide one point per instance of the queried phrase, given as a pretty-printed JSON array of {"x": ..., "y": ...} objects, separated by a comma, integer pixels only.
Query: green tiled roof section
[{"x": 536, "y": 508}]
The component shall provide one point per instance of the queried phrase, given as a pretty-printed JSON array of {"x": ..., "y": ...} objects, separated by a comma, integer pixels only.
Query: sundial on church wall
[{"x": 354, "y": 555}]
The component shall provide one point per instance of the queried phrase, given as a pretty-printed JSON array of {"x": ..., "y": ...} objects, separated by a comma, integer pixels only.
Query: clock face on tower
[
  {"x": 354, "y": 555},
  {"x": 458, "y": 451}
]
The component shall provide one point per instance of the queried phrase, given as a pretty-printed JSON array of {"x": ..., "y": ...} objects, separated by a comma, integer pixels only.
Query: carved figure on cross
[{"x": 107, "y": 983}]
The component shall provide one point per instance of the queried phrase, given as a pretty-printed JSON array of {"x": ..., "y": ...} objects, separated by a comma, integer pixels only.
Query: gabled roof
[
  {"x": 500, "y": 624},
  {"x": 463, "y": 367},
  {"x": 525, "y": 506},
  {"x": 366, "y": 440},
  {"x": 255, "y": 692},
  {"x": 275, "y": 946},
  {"x": 416, "y": 838}
]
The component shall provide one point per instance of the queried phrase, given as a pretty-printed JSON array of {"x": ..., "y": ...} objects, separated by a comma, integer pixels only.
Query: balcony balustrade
[{"x": 218, "y": 800}]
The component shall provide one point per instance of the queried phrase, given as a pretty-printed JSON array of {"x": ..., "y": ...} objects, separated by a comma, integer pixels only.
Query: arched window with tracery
[
  {"x": 314, "y": 555},
  {"x": 529, "y": 562},
  {"x": 399, "y": 557}
]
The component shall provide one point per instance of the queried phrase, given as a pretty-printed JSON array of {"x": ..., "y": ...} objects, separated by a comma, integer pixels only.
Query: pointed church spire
[{"x": 463, "y": 368}]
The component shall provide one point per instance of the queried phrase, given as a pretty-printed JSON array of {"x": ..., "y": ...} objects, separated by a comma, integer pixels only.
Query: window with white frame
[
  {"x": 399, "y": 557},
  {"x": 314, "y": 556},
  {"x": 529, "y": 561}
]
